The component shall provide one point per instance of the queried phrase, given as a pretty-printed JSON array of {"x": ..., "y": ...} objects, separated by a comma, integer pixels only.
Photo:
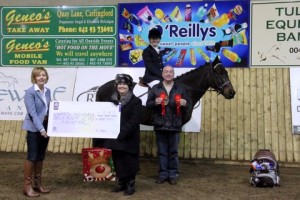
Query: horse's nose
[{"x": 231, "y": 93}]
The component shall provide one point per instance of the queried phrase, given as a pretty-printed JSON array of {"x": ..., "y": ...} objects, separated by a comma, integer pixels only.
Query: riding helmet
[{"x": 154, "y": 33}]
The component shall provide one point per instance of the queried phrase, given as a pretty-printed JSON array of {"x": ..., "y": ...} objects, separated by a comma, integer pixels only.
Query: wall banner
[
  {"x": 295, "y": 99},
  {"x": 275, "y": 34},
  {"x": 192, "y": 32},
  {"x": 58, "y": 36},
  {"x": 67, "y": 52},
  {"x": 57, "y": 21},
  {"x": 14, "y": 82}
]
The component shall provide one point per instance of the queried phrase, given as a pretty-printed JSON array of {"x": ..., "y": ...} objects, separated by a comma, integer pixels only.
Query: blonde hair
[{"x": 36, "y": 71}]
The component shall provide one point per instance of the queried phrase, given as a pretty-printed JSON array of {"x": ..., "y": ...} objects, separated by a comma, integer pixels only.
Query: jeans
[
  {"x": 167, "y": 145},
  {"x": 36, "y": 146}
]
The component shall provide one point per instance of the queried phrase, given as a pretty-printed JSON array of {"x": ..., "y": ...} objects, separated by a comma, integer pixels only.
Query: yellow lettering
[
  {"x": 38, "y": 30},
  {"x": 16, "y": 30},
  {"x": 66, "y": 29},
  {"x": 12, "y": 46},
  {"x": 39, "y": 62},
  {"x": 33, "y": 18}
]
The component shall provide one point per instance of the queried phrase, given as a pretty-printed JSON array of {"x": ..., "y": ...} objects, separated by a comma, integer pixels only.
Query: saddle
[
  {"x": 142, "y": 83},
  {"x": 141, "y": 90}
]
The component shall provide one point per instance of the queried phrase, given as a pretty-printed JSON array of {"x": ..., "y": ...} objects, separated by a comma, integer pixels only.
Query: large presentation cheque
[{"x": 83, "y": 119}]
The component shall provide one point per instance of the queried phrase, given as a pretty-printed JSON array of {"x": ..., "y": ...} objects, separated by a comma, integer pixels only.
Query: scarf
[{"x": 121, "y": 99}]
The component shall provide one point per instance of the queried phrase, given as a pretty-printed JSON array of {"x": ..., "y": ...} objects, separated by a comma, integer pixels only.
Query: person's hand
[
  {"x": 158, "y": 101},
  {"x": 182, "y": 102},
  {"x": 44, "y": 134}
]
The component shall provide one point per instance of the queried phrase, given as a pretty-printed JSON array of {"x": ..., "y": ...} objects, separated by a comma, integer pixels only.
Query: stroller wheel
[
  {"x": 253, "y": 181},
  {"x": 278, "y": 181}
]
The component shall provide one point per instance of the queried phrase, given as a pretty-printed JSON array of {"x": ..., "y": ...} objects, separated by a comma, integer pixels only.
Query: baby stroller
[{"x": 264, "y": 169}]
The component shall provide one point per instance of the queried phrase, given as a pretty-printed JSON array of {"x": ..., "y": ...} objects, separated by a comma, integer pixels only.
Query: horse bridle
[{"x": 220, "y": 86}]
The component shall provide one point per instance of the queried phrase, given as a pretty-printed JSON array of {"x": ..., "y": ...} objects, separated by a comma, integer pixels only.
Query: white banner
[
  {"x": 14, "y": 81},
  {"x": 295, "y": 99},
  {"x": 83, "y": 119},
  {"x": 275, "y": 34},
  {"x": 89, "y": 80}
]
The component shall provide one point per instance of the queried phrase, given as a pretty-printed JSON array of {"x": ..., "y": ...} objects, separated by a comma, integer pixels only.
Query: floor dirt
[{"x": 197, "y": 180}]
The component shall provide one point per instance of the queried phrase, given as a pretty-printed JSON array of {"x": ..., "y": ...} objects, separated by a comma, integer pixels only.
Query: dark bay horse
[{"x": 196, "y": 82}]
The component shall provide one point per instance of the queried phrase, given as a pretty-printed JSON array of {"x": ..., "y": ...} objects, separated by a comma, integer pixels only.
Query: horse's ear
[{"x": 216, "y": 61}]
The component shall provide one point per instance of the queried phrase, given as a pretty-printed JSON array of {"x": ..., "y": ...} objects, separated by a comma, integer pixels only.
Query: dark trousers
[
  {"x": 167, "y": 146},
  {"x": 126, "y": 164},
  {"x": 36, "y": 146}
]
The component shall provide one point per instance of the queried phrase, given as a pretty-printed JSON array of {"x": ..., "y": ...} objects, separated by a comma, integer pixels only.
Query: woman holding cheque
[
  {"x": 125, "y": 149},
  {"x": 37, "y": 99}
]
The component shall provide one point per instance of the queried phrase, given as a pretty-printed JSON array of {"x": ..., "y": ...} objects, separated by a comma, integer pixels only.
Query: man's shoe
[
  {"x": 173, "y": 181},
  {"x": 160, "y": 180}
]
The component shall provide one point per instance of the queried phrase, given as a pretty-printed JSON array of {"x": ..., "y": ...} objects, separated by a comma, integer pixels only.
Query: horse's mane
[{"x": 186, "y": 75}]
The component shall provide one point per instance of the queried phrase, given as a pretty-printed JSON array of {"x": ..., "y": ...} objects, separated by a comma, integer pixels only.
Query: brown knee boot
[
  {"x": 27, "y": 190},
  {"x": 38, "y": 168}
]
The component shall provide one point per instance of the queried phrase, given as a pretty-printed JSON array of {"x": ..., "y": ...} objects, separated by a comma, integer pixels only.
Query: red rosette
[
  {"x": 177, "y": 100},
  {"x": 163, "y": 96}
]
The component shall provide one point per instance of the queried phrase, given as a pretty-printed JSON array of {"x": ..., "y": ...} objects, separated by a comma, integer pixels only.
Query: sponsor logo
[
  {"x": 89, "y": 95},
  {"x": 8, "y": 82}
]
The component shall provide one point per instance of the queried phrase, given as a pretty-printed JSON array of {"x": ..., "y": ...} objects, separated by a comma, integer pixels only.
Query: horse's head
[{"x": 219, "y": 79}]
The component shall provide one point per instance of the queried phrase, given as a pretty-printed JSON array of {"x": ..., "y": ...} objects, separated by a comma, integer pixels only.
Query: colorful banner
[
  {"x": 14, "y": 82},
  {"x": 275, "y": 34},
  {"x": 67, "y": 52},
  {"x": 194, "y": 32},
  {"x": 57, "y": 21},
  {"x": 58, "y": 36},
  {"x": 295, "y": 99}
]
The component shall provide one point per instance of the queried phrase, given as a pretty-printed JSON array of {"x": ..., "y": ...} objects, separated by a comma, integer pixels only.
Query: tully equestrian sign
[{"x": 58, "y": 36}]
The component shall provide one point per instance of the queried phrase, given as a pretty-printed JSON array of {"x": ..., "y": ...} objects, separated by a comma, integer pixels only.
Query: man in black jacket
[{"x": 168, "y": 101}]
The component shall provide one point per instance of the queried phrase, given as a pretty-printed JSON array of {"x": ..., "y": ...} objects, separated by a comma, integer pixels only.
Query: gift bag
[{"x": 97, "y": 165}]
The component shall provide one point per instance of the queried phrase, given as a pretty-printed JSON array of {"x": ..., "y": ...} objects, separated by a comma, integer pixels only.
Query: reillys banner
[{"x": 193, "y": 33}]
